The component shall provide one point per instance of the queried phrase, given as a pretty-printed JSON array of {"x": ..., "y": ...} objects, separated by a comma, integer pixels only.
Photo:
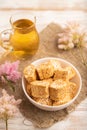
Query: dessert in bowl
[{"x": 51, "y": 83}]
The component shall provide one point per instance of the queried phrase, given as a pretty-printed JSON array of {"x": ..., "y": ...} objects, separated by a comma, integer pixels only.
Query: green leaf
[{"x": 10, "y": 83}]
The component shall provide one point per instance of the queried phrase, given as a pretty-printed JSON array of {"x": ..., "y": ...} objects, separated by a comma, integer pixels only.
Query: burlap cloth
[{"x": 48, "y": 48}]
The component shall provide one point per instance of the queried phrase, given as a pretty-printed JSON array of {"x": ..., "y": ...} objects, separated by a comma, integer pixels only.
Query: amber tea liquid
[{"x": 24, "y": 38}]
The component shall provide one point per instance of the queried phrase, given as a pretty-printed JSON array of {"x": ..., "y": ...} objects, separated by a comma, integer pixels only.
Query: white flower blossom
[{"x": 72, "y": 36}]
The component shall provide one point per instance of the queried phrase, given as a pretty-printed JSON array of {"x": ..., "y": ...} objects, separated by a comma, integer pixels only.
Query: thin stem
[
  {"x": 83, "y": 59},
  {"x": 10, "y": 83},
  {"x": 6, "y": 123}
]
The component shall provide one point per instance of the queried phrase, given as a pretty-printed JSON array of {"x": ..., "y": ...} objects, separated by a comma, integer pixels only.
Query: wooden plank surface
[
  {"x": 43, "y": 4},
  {"x": 77, "y": 120}
]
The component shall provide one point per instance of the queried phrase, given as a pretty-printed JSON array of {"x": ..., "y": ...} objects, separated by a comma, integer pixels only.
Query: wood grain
[{"x": 43, "y": 5}]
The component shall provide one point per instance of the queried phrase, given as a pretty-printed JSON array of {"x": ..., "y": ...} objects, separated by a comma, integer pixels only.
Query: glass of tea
[{"x": 23, "y": 37}]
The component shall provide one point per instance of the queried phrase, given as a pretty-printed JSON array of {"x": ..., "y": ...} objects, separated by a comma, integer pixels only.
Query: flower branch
[
  {"x": 73, "y": 36},
  {"x": 8, "y": 107},
  {"x": 9, "y": 73}
]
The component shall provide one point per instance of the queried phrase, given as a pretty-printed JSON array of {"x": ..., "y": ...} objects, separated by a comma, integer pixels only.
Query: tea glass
[{"x": 23, "y": 37}]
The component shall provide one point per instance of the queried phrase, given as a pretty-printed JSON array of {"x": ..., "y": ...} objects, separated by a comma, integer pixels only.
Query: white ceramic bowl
[{"x": 76, "y": 79}]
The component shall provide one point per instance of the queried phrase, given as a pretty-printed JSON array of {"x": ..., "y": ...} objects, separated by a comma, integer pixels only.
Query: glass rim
[{"x": 11, "y": 22}]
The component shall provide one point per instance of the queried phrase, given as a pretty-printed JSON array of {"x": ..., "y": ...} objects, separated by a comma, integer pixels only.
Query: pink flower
[
  {"x": 72, "y": 36},
  {"x": 72, "y": 25},
  {"x": 8, "y": 105},
  {"x": 9, "y": 72}
]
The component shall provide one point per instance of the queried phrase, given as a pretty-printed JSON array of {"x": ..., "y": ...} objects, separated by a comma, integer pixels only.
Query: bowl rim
[{"x": 62, "y": 105}]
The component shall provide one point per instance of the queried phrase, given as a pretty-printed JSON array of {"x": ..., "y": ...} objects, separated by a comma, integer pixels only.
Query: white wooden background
[
  {"x": 44, "y": 4},
  {"x": 46, "y": 12}
]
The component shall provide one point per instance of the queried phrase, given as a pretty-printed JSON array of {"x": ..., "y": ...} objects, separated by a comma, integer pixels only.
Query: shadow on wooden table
[{"x": 48, "y": 48}]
